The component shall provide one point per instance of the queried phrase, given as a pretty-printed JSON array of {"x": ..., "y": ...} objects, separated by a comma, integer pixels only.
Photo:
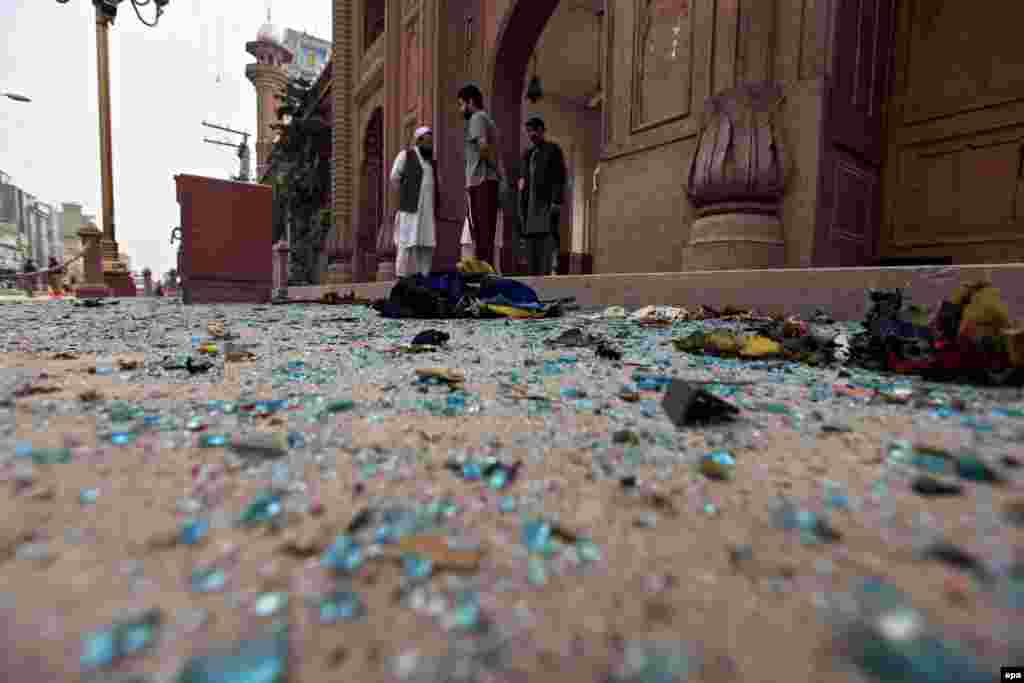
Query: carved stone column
[
  {"x": 342, "y": 170},
  {"x": 93, "y": 287},
  {"x": 737, "y": 179}
]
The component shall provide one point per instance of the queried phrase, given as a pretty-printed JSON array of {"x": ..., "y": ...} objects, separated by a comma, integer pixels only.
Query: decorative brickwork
[
  {"x": 269, "y": 80},
  {"x": 342, "y": 170}
]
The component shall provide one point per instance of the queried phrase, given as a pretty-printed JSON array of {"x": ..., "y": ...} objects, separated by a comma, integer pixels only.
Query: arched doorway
[
  {"x": 371, "y": 204},
  {"x": 533, "y": 39}
]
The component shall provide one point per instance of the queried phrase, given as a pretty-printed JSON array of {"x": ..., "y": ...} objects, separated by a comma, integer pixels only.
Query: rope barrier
[{"x": 59, "y": 268}]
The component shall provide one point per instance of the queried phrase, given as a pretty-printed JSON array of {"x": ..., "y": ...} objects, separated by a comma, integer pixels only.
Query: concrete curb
[{"x": 839, "y": 291}]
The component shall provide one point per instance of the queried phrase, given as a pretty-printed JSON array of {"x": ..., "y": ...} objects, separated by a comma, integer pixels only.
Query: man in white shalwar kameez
[{"x": 415, "y": 226}]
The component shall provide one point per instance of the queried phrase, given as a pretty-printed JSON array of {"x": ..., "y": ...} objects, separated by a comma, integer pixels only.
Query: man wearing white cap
[{"x": 413, "y": 176}]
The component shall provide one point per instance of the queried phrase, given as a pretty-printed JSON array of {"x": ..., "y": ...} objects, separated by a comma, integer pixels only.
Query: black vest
[{"x": 411, "y": 183}]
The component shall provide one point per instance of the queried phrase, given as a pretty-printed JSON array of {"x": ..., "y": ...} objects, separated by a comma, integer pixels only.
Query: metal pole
[
  {"x": 106, "y": 155},
  {"x": 224, "y": 128}
]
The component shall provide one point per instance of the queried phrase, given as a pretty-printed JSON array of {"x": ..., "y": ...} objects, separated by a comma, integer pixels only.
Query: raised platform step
[{"x": 840, "y": 291}]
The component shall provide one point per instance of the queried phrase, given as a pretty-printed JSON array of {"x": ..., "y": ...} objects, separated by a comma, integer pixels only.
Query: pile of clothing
[
  {"x": 969, "y": 337},
  {"x": 473, "y": 290}
]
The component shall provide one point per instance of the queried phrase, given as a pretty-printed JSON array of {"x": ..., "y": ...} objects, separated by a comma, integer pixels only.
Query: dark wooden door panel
[
  {"x": 853, "y": 141},
  {"x": 956, "y": 131}
]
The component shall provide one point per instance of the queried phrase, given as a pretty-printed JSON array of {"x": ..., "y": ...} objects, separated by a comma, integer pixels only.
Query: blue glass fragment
[
  {"x": 466, "y": 614},
  {"x": 212, "y": 440},
  {"x": 123, "y": 638},
  {"x": 588, "y": 550},
  {"x": 416, "y": 566},
  {"x": 498, "y": 478},
  {"x": 194, "y": 530},
  {"x": 45, "y": 456},
  {"x": 269, "y": 604},
  {"x": 656, "y": 662},
  {"x": 344, "y": 555},
  {"x": 537, "y": 536},
  {"x": 471, "y": 470},
  {"x": 208, "y": 579},
  {"x": 121, "y": 438},
  {"x": 98, "y": 649},
  {"x": 263, "y": 660},
  {"x": 265, "y": 507},
  {"x": 536, "y": 571},
  {"x": 341, "y": 606}
]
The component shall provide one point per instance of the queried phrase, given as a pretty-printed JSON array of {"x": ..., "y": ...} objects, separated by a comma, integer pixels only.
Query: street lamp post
[{"x": 115, "y": 272}]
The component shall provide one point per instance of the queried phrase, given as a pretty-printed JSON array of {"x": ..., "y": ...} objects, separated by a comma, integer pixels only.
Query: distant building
[
  {"x": 10, "y": 260},
  {"x": 43, "y": 227},
  {"x": 29, "y": 227},
  {"x": 311, "y": 54},
  {"x": 279, "y": 58}
]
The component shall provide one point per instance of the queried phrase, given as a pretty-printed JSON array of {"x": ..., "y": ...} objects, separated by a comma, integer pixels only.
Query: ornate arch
[{"x": 518, "y": 32}]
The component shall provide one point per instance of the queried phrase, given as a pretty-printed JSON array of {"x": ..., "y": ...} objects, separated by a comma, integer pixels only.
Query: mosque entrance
[{"x": 560, "y": 47}]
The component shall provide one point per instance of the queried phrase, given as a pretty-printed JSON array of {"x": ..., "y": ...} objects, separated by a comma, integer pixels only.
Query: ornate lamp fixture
[
  {"x": 534, "y": 91},
  {"x": 109, "y": 8},
  {"x": 115, "y": 273}
]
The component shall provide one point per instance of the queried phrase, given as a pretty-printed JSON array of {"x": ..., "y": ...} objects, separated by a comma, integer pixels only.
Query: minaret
[{"x": 269, "y": 77}]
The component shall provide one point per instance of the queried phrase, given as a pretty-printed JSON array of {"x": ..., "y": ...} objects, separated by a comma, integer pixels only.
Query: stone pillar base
[
  {"x": 735, "y": 241},
  {"x": 386, "y": 271},
  {"x": 120, "y": 282},
  {"x": 339, "y": 273}
]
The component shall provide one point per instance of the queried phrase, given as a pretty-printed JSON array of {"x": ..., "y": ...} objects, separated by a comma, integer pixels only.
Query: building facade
[
  {"x": 30, "y": 228},
  {"x": 699, "y": 134}
]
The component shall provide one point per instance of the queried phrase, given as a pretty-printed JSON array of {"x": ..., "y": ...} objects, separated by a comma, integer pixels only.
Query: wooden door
[
  {"x": 853, "y": 140},
  {"x": 955, "y": 164}
]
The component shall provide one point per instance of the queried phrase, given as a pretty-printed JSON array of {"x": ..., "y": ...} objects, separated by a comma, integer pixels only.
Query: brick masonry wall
[{"x": 341, "y": 92}]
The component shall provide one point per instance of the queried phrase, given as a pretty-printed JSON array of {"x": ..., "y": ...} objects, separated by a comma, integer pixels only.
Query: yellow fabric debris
[
  {"x": 474, "y": 265},
  {"x": 985, "y": 315},
  {"x": 722, "y": 343},
  {"x": 760, "y": 347},
  {"x": 511, "y": 311}
]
